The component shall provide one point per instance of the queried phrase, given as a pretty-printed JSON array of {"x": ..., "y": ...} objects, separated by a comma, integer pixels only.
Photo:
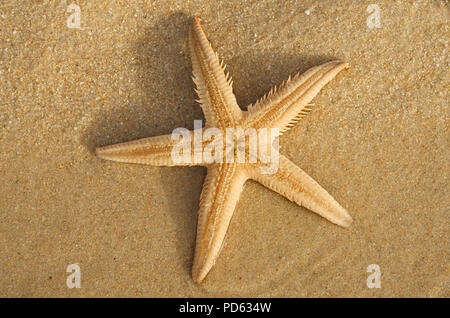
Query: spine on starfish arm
[
  {"x": 212, "y": 84},
  {"x": 294, "y": 184},
  {"x": 282, "y": 107},
  {"x": 165, "y": 150}
]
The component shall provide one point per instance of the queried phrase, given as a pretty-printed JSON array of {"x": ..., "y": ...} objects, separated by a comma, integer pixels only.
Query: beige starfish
[{"x": 224, "y": 181}]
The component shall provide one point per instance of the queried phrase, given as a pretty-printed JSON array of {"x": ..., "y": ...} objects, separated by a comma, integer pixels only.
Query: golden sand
[{"x": 377, "y": 140}]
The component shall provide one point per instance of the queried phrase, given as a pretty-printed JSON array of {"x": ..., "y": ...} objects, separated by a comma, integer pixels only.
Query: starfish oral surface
[{"x": 224, "y": 182}]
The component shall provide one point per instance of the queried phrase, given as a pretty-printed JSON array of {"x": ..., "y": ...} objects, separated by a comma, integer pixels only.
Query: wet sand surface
[{"x": 377, "y": 140}]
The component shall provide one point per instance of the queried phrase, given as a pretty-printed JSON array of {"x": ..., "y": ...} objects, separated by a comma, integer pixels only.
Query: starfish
[{"x": 224, "y": 181}]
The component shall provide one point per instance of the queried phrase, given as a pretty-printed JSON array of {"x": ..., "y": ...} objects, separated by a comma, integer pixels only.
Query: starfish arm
[
  {"x": 213, "y": 86},
  {"x": 221, "y": 190},
  {"x": 293, "y": 183},
  {"x": 156, "y": 151},
  {"x": 283, "y": 106}
]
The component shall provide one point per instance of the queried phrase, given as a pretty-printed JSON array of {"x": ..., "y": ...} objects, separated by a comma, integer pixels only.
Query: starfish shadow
[
  {"x": 156, "y": 113},
  {"x": 168, "y": 101}
]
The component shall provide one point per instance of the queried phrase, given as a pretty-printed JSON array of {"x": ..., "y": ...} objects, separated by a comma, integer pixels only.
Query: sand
[{"x": 377, "y": 140}]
